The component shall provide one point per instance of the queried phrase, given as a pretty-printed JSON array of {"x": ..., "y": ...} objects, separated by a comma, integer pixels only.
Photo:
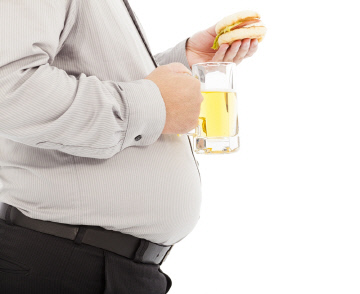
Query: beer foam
[{"x": 209, "y": 89}]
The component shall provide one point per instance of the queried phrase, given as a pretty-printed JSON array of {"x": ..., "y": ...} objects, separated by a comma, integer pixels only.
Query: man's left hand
[{"x": 198, "y": 49}]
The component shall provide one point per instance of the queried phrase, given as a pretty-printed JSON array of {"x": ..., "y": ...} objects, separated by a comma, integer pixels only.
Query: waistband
[{"x": 137, "y": 249}]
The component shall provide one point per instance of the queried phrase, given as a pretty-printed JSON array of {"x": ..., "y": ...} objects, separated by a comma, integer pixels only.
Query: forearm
[
  {"x": 174, "y": 54},
  {"x": 84, "y": 117},
  {"x": 42, "y": 106}
]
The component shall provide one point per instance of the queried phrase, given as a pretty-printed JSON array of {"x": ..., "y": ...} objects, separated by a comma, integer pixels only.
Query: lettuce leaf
[
  {"x": 223, "y": 31},
  {"x": 216, "y": 43}
]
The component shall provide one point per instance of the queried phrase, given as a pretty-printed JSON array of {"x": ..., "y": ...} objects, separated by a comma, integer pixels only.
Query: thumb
[
  {"x": 212, "y": 31},
  {"x": 179, "y": 68}
]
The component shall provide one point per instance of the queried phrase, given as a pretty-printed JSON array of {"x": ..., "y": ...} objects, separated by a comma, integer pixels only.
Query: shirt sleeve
[
  {"x": 174, "y": 54},
  {"x": 44, "y": 107}
]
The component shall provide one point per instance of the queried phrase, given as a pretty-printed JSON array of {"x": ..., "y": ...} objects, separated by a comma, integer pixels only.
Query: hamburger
[{"x": 238, "y": 26}]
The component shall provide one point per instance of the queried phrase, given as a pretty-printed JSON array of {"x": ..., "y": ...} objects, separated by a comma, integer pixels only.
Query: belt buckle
[
  {"x": 149, "y": 252},
  {"x": 166, "y": 255}
]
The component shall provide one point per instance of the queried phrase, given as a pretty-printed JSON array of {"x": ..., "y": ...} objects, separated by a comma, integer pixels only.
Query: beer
[
  {"x": 218, "y": 114},
  {"x": 217, "y": 131}
]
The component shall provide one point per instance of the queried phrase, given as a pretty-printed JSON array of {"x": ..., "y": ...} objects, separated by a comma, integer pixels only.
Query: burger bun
[{"x": 253, "y": 31}]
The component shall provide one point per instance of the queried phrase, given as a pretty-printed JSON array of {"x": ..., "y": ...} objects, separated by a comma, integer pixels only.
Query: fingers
[
  {"x": 232, "y": 51},
  {"x": 247, "y": 49},
  {"x": 242, "y": 51},
  {"x": 253, "y": 47},
  {"x": 237, "y": 51},
  {"x": 179, "y": 68},
  {"x": 220, "y": 54}
]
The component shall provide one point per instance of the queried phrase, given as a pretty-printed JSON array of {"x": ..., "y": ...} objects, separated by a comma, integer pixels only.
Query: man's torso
[{"x": 153, "y": 192}]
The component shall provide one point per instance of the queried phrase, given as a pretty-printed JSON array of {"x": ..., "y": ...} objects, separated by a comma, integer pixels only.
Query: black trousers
[{"x": 34, "y": 263}]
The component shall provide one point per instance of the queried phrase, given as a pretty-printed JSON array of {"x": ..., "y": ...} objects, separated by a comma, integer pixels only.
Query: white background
[{"x": 283, "y": 214}]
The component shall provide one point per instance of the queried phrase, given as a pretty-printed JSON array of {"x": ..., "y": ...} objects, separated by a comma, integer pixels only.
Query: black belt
[{"x": 136, "y": 249}]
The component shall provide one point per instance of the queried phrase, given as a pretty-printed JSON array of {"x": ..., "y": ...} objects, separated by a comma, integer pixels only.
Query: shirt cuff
[
  {"x": 175, "y": 54},
  {"x": 147, "y": 112}
]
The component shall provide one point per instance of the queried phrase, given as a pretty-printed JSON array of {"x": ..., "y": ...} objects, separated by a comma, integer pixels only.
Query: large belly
[{"x": 152, "y": 192}]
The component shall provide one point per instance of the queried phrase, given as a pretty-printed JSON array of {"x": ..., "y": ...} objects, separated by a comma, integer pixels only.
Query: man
[{"x": 96, "y": 185}]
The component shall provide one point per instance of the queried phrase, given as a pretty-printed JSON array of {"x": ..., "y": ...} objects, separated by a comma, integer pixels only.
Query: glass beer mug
[{"x": 218, "y": 129}]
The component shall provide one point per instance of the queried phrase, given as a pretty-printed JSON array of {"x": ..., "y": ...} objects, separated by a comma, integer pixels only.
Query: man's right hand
[{"x": 182, "y": 96}]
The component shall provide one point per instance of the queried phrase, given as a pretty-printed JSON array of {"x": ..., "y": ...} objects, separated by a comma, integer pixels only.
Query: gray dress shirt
[{"x": 80, "y": 127}]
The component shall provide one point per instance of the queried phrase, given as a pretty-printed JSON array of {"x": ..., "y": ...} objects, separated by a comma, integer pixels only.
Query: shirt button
[{"x": 137, "y": 138}]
